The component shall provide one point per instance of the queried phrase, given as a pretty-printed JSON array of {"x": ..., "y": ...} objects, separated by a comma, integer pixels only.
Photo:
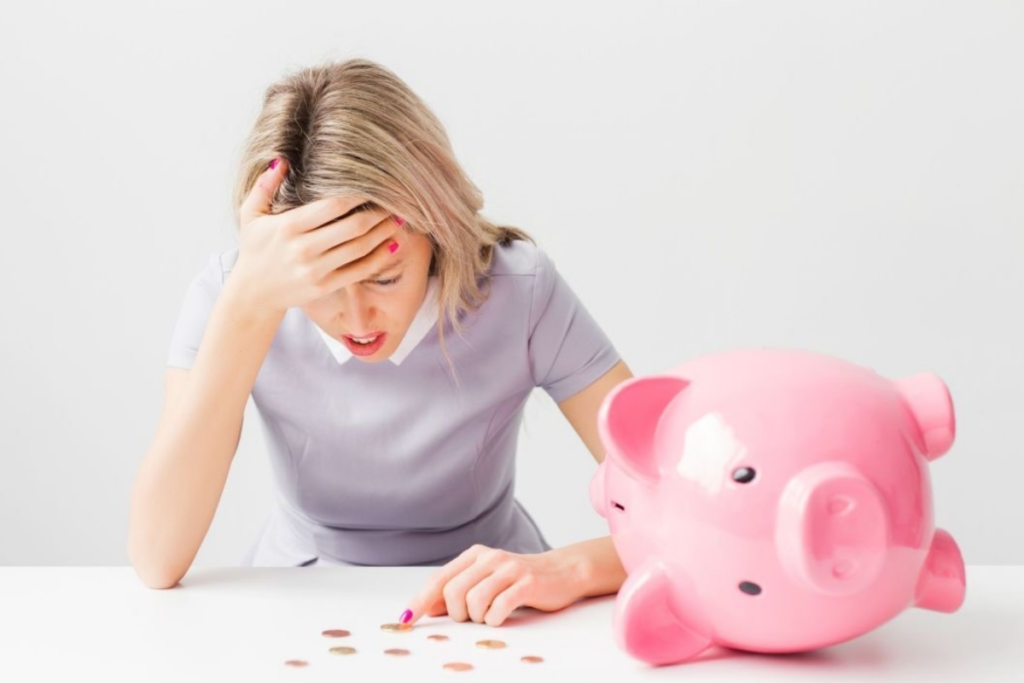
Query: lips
[
  {"x": 361, "y": 349},
  {"x": 370, "y": 335}
]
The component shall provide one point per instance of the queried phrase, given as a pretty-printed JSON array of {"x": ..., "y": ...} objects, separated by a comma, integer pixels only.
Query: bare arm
[
  {"x": 182, "y": 476},
  {"x": 291, "y": 258}
]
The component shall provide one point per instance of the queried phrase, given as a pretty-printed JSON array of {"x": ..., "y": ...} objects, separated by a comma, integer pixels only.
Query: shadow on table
[{"x": 892, "y": 647}]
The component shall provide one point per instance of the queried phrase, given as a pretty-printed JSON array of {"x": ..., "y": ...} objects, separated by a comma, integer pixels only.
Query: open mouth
[{"x": 364, "y": 346}]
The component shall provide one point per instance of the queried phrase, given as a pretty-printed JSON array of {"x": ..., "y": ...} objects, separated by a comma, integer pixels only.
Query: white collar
[{"x": 425, "y": 318}]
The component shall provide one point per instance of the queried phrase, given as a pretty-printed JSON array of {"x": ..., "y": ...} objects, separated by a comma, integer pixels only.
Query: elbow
[
  {"x": 154, "y": 574},
  {"x": 156, "y": 577}
]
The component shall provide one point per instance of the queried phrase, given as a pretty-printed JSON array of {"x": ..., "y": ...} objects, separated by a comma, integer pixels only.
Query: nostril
[
  {"x": 618, "y": 505},
  {"x": 750, "y": 588}
]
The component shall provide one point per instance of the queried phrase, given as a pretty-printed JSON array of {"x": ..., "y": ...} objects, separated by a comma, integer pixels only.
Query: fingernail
[
  {"x": 398, "y": 219},
  {"x": 274, "y": 162},
  {"x": 406, "y": 616},
  {"x": 393, "y": 247}
]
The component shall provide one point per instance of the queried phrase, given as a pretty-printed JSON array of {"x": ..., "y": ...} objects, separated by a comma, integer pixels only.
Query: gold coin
[
  {"x": 531, "y": 659},
  {"x": 336, "y": 633},
  {"x": 396, "y": 651},
  {"x": 490, "y": 644},
  {"x": 296, "y": 662},
  {"x": 342, "y": 650},
  {"x": 396, "y": 627},
  {"x": 457, "y": 666},
  {"x": 437, "y": 636}
]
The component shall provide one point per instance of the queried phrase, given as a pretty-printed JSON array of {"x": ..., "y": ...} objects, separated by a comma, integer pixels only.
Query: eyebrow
[{"x": 386, "y": 270}]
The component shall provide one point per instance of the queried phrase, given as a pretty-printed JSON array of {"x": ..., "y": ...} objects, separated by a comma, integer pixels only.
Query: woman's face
[{"x": 387, "y": 303}]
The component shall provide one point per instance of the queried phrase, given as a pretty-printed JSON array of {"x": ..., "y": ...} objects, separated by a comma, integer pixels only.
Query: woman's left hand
[{"x": 486, "y": 584}]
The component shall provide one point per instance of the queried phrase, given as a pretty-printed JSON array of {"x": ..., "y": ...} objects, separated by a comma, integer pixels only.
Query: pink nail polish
[
  {"x": 406, "y": 616},
  {"x": 393, "y": 247},
  {"x": 398, "y": 219},
  {"x": 274, "y": 162}
]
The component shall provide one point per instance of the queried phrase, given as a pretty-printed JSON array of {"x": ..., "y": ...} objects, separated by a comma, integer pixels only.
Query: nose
[{"x": 357, "y": 312}]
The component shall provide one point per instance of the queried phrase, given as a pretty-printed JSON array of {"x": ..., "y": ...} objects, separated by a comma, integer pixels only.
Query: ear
[
  {"x": 628, "y": 419},
  {"x": 832, "y": 529},
  {"x": 942, "y": 585},
  {"x": 931, "y": 408},
  {"x": 658, "y": 618}
]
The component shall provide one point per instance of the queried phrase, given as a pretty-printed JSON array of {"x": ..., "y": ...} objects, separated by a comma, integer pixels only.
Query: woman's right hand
[{"x": 302, "y": 254}]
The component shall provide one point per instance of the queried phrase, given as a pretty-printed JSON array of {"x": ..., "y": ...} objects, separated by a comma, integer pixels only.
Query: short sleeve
[
  {"x": 568, "y": 350},
  {"x": 195, "y": 310}
]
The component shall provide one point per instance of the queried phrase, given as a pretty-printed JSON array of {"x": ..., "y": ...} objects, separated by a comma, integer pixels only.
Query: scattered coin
[
  {"x": 531, "y": 659},
  {"x": 397, "y": 651},
  {"x": 342, "y": 650},
  {"x": 490, "y": 644},
  {"x": 336, "y": 633},
  {"x": 457, "y": 666},
  {"x": 437, "y": 636},
  {"x": 396, "y": 627},
  {"x": 296, "y": 662}
]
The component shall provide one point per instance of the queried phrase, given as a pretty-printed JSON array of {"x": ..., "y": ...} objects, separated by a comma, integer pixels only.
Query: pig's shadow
[{"x": 876, "y": 651}]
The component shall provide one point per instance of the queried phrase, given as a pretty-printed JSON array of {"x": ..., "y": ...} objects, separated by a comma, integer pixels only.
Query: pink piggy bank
[{"x": 772, "y": 500}]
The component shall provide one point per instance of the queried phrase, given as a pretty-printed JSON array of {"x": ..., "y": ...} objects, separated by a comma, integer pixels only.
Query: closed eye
[{"x": 388, "y": 282}]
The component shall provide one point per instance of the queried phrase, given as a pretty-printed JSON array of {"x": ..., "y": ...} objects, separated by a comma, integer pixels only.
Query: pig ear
[
  {"x": 658, "y": 617},
  {"x": 931, "y": 406},
  {"x": 628, "y": 419},
  {"x": 942, "y": 584},
  {"x": 832, "y": 529}
]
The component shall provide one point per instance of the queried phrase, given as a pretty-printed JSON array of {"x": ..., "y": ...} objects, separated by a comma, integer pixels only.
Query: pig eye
[
  {"x": 744, "y": 475},
  {"x": 750, "y": 588}
]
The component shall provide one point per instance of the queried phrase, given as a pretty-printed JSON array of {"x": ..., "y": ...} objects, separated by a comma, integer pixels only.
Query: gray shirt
[{"x": 391, "y": 463}]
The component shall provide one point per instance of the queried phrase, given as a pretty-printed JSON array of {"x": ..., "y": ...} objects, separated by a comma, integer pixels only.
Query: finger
[
  {"x": 346, "y": 230},
  {"x": 334, "y": 270},
  {"x": 432, "y": 592},
  {"x": 370, "y": 251},
  {"x": 309, "y": 217},
  {"x": 438, "y": 608},
  {"x": 456, "y": 589},
  {"x": 261, "y": 196},
  {"x": 481, "y": 596},
  {"x": 516, "y": 595}
]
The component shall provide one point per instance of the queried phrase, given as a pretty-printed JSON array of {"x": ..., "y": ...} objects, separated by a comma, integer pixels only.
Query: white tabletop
[{"x": 242, "y": 624}]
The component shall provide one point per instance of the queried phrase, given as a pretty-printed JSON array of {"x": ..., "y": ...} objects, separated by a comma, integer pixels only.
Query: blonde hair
[{"x": 356, "y": 127}]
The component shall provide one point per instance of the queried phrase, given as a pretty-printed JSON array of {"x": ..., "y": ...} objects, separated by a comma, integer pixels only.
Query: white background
[{"x": 839, "y": 177}]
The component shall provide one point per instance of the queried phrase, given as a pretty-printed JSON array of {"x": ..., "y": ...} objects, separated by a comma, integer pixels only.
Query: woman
[{"x": 365, "y": 226}]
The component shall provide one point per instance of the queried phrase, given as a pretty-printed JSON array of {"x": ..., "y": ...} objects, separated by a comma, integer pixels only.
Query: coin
[
  {"x": 531, "y": 659},
  {"x": 336, "y": 633},
  {"x": 296, "y": 662},
  {"x": 342, "y": 650},
  {"x": 396, "y": 651},
  {"x": 457, "y": 666},
  {"x": 437, "y": 636},
  {"x": 396, "y": 627},
  {"x": 490, "y": 644}
]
